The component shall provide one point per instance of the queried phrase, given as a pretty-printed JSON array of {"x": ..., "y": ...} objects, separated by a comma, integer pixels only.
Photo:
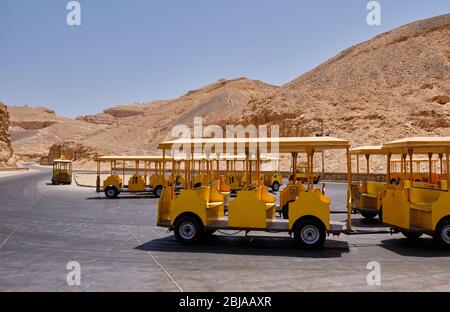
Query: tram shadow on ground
[
  {"x": 131, "y": 196},
  {"x": 368, "y": 224},
  {"x": 250, "y": 245},
  {"x": 424, "y": 247}
]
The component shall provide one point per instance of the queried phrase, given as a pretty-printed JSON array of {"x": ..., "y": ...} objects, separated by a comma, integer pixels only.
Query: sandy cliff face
[
  {"x": 35, "y": 130},
  {"x": 70, "y": 150},
  {"x": 6, "y": 150},
  {"x": 141, "y": 133},
  {"x": 138, "y": 128}
]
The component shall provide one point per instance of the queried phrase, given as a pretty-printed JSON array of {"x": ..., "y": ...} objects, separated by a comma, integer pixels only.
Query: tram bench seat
[
  {"x": 423, "y": 199},
  {"x": 269, "y": 205},
  {"x": 213, "y": 204},
  {"x": 372, "y": 189},
  {"x": 427, "y": 207},
  {"x": 369, "y": 195}
]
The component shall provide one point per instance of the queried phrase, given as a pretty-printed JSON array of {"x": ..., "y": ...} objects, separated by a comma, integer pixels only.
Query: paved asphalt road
[{"x": 119, "y": 248}]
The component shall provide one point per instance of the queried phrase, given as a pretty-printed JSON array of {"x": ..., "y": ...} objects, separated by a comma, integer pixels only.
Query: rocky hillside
[
  {"x": 394, "y": 85},
  {"x": 138, "y": 128},
  {"x": 35, "y": 130},
  {"x": 6, "y": 150}
]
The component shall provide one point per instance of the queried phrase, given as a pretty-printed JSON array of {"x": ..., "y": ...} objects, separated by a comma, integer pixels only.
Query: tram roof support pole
[{"x": 349, "y": 190}]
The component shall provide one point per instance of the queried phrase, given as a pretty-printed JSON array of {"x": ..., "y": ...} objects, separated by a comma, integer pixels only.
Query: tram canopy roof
[
  {"x": 368, "y": 150},
  {"x": 419, "y": 145},
  {"x": 130, "y": 158},
  {"x": 285, "y": 144}
]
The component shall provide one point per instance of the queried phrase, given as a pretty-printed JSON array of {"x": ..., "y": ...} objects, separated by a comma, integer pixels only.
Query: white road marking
[{"x": 149, "y": 253}]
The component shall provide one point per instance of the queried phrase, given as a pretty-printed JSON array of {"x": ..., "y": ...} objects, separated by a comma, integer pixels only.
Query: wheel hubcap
[
  {"x": 187, "y": 230},
  {"x": 310, "y": 234},
  {"x": 446, "y": 234},
  {"x": 111, "y": 193}
]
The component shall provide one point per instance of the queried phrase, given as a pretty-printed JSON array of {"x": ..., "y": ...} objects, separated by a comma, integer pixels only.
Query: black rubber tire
[
  {"x": 412, "y": 235},
  {"x": 111, "y": 192},
  {"x": 157, "y": 191},
  {"x": 197, "y": 185},
  {"x": 311, "y": 228},
  {"x": 275, "y": 186},
  {"x": 368, "y": 215},
  {"x": 393, "y": 182},
  {"x": 188, "y": 229},
  {"x": 443, "y": 230}
]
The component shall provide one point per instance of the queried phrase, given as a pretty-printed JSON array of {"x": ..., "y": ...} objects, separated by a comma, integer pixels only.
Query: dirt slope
[{"x": 138, "y": 128}]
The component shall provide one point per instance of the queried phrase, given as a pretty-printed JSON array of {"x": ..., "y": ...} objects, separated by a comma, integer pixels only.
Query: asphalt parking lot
[{"x": 119, "y": 248}]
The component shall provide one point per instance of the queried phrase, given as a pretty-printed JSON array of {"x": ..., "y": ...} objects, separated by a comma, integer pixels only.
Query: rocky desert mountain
[
  {"x": 394, "y": 85},
  {"x": 6, "y": 150},
  {"x": 35, "y": 130},
  {"x": 142, "y": 127},
  {"x": 137, "y": 128}
]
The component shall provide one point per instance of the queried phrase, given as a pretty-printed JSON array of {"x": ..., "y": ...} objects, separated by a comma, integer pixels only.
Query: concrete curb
[
  {"x": 80, "y": 184},
  {"x": 14, "y": 169}
]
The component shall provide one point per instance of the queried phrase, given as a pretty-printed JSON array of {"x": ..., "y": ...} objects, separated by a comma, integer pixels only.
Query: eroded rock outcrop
[
  {"x": 6, "y": 150},
  {"x": 70, "y": 150}
]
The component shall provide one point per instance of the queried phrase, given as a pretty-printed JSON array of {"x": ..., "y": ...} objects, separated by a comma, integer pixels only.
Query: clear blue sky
[{"x": 137, "y": 51}]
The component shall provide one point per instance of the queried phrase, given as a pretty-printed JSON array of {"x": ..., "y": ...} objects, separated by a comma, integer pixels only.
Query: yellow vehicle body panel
[
  {"x": 136, "y": 183},
  {"x": 251, "y": 209},
  {"x": 235, "y": 181},
  {"x": 440, "y": 209},
  {"x": 415, "y": 207},
  {"x": 205, "y": 202},
  {"x": 113, "y": 180},
  {"x": 62, "y": 176},
  {"x": 269, "y": 178},
  {"x": 368, "y": 195},
  {"x": 164, "y": 205},
  {"x": 396, "y": 208},
  {"x": 157, "y": 180},
  {"x": 310, "y": 204}
]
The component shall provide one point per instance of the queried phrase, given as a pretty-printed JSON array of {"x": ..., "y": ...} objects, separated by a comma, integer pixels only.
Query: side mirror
[{"x": 323, "y": 188}]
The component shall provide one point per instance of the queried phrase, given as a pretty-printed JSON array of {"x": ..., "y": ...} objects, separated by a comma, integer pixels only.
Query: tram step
[{"x": 338, "y": 226}]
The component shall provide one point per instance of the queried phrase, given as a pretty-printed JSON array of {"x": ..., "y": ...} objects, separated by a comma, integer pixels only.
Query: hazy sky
[{"x": 137, "y": 51}]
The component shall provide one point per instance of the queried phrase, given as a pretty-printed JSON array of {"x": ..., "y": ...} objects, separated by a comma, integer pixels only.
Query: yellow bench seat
[
  {"x": 369, "y": 195},
  {"x": 213, "y": 204},
  {"x": 269, "y": 205},
  {"x": 421, "y": 206}
]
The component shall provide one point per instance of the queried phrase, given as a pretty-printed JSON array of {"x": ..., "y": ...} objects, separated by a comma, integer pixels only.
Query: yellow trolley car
[
  {"x": 195, "y": 212},
  {"x": 144, "y": 175}
]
